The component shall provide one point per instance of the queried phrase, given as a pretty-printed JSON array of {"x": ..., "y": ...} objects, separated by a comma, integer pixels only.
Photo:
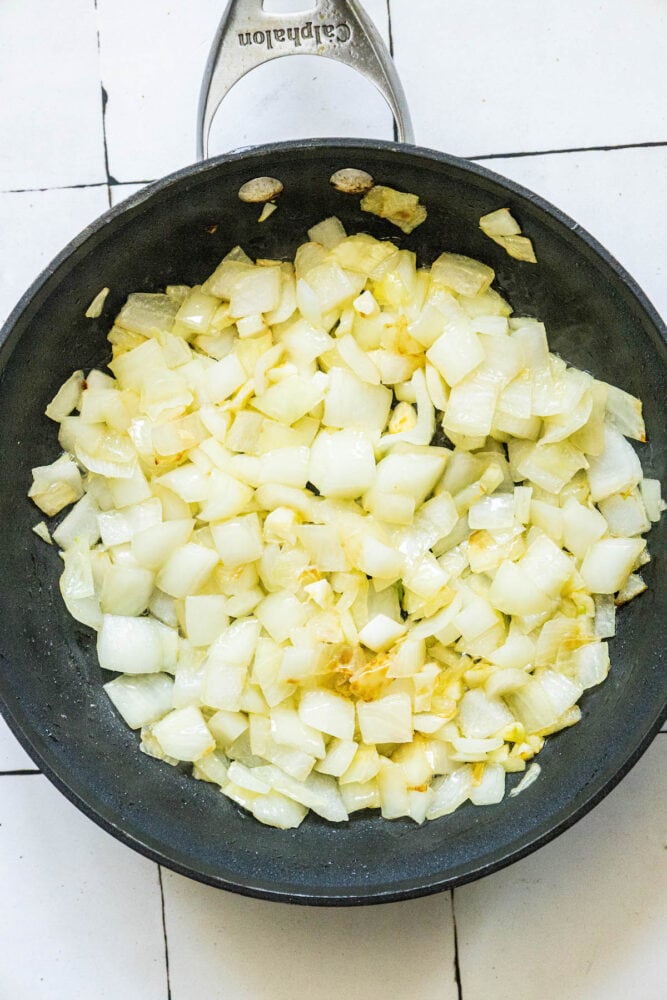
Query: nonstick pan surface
[{"x": 176, "y": 231}]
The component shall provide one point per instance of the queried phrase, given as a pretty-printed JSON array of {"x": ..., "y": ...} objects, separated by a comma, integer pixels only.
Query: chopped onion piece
[
  {"x": 531, "y": 775},
  {"x": 80, "y": 524},
  {"x": 625, "y": 514},
  {"x": 592, "y": 663},
  {"x": 318, "y": 792},
  {"x": 399, "y": 208},
  {"x": 381, "y": 632},
  {"x": 328, "y": 712},
  {"x": 616, "y": 470},
  {"x": 609, "y": 562},
  {"x": 456, "y": 352},
  {"x": 67, "y": 398},
  {"x": 519, "y": 247},
  {"x": 480, "y": 716},
  {"x": 339, "y": 756},
  {"x": 605, "y": 616},
  {"x": 268, "y": 209},
  {"x": 330, "y": 232},
  {"x": 633, "y": 587},
  {"x": 650, "y": 491},
  {"x": 504, "y": 230},
  {"x": 131, "y": 645},
  {"x": 386, "y": 720},
  {"x": 514, "y": 592},
  {"x": 491, "y": 787},
  {"x": 342, "y": 463},
  {"x": 624, "y": 412},
  {"x": 42, "y": 531},
  {"x": 350, "y": 402},
  {"x": 183, "y": 734},
  {"x": 55, "y": 486},
  {"x": 462, "y": 274},
  {"x": 494, "y": 512},
  {"x": 499, "y": 223},
  {"x": 450, "y": 792},
  {"x": 141, "y": 698},
  {"x": 186, "y": 569}
]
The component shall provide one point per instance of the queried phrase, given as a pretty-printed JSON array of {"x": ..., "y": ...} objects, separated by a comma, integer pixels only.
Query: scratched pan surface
[{"x": 50, "y": 683}]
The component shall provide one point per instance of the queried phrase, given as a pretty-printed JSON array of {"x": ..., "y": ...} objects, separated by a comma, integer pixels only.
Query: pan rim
[
  {"x": 412, "y": 888},
  {"x": 380, "y": 145}
]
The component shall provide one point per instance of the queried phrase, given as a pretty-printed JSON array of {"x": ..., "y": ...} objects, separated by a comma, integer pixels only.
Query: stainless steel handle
[{"x": 249, "y": 36}]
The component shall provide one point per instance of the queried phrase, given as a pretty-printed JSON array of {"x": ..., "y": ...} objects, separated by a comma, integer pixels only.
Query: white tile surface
[
  {"x": 618, "y": 196},
  {"x": 12, "y": 755},
  {"x": 119, "y": 192},
  {"x": 485, "y": 77},
  {"x": 585, "y": 916},
  {"x": 152, "y": 56},
  {"x": 81, "y": 915},
  {"x": 51, "y": 109},
  {"x": 153, "y": 90},
  {"x": 35, "y": 226},
  {"x": 248, "y": 949}
]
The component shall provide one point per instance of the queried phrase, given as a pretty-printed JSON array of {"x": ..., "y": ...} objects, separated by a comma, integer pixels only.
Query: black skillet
[{"x": 50, "y": 684}]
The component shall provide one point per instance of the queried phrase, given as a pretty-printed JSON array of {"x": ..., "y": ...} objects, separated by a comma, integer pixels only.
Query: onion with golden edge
[{"x": 503, "y": 229}]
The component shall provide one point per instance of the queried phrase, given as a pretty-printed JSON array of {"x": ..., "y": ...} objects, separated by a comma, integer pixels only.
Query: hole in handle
[
  {"x": 287, "y": 6},
  {"x": 302, "y": 98}
]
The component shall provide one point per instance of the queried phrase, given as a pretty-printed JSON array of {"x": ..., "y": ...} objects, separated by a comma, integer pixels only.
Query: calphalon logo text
[{"x": 321, "y": 33}]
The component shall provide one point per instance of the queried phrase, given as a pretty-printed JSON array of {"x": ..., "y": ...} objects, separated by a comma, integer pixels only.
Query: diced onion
[
  {"x": 304, "y": 596},
  {"x": 141, "y": 699}
]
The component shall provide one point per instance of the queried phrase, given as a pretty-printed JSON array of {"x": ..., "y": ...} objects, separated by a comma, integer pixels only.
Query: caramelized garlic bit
[
  {"x": 260, "y": 189},
  {"x": 349, "y": 180}
]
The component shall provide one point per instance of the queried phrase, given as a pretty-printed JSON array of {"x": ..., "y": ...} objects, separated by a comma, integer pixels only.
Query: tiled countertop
[{"x": 567, "y": 98}]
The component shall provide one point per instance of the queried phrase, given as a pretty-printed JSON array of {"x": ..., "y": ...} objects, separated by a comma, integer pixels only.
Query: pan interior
[{"x": 50, "y": 682}]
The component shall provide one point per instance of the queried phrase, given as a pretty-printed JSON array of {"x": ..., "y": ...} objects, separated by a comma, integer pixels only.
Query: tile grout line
[
  {"x": 112, "y": 182},
  {"x": 105, "y": 98},
  {"x": 457, "y": 964},
  {"x": 56, "y": 187},
  {"x": 164, "y": 931},
  {"x": 569, "y": 149},
  {"x": 390, "y": 32},
  {"x": 19, "y": 772}
]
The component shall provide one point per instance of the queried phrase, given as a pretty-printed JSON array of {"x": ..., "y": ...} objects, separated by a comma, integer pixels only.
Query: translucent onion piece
[{"x": 305, "y": 596}]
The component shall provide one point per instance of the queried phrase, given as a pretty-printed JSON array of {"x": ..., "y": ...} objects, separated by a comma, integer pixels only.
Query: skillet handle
[{"x": 249, "y": 36}]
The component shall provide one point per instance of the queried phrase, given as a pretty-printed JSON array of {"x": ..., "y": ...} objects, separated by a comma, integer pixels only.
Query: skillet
[{"x": 176, "y": 231}]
